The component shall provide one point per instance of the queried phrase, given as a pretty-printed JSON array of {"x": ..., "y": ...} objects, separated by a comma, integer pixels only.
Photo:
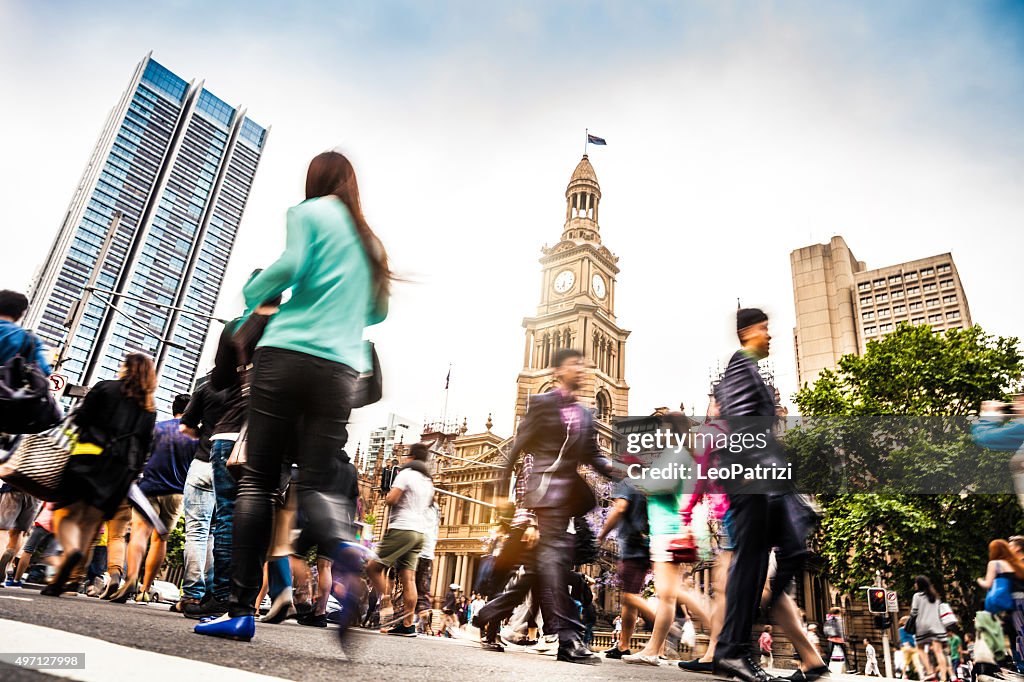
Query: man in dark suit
[
  {"x": 387, "y": 477},
  {"x": 765, "y": 511},
  {"x": 560, "y": 434}
]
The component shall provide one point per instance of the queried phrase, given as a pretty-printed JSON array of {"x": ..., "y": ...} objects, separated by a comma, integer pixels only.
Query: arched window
[{"x": 604, "y": 406}]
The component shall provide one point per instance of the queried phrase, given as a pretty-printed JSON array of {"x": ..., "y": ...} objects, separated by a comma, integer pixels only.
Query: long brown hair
[
  {"x": 331, "y": 173},
  {"x": 138, "y": 379},
  {"x": 1000, "y": 550}
]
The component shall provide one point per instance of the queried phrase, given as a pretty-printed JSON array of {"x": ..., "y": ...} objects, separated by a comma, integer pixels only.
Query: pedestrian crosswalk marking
[{"x": 105, "y": 660}]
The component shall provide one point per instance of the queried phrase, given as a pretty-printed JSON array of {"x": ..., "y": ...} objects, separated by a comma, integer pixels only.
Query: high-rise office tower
[
  {"x": 172, "y": 171},
  {"x": 384, "y": 439},
  {"x": 841, "y": 305}
]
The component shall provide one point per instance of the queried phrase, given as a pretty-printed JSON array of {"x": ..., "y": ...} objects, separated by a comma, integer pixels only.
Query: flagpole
[
  {"x": 444, "y": 415},
  {"x": 586, "y": 139}
]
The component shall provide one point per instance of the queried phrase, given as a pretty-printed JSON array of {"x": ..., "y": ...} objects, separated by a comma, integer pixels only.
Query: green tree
[{"x": 891, "y": 422}]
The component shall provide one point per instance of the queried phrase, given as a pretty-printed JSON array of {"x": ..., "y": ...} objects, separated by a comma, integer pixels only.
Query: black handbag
[
  {"x": 26, "y": 404},
  {"x": 910, "y": 627},
  {"x": 369, "y": 386}
]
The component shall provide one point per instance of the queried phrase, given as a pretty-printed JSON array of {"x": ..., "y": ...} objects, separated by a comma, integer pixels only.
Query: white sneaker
[
  {"x": 547, "y": 646},
  {"x": 641, "y": 659}
]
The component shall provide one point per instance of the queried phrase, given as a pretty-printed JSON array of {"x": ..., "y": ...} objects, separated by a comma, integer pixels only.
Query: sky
[{"x": 737, "y": 132}]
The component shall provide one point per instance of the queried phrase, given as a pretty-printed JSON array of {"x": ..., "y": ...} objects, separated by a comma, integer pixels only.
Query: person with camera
[{"x": 1000, "y": 426}]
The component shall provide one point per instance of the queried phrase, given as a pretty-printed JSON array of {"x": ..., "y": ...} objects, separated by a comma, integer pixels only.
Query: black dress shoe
[
  {"x": 312, "y": 620},
  {"x": 575, "y": 652},
  {"x": 697, "y": 666},
  {"x": 616, "y": 653},
  {"x": 810, "y": 675},
  {"x": 743, "y": 669}
]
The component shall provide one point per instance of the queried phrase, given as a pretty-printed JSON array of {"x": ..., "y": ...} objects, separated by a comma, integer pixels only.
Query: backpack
[{"x": 26, "y": 404}]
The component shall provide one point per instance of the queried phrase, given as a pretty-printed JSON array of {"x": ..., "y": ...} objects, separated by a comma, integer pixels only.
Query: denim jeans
[
  {"x": 223, "y": 517},
  {"x": 199, "y": 500}
]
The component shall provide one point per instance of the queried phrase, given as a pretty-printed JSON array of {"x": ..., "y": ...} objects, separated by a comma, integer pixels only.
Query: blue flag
[{"x": 594, "y": 139}]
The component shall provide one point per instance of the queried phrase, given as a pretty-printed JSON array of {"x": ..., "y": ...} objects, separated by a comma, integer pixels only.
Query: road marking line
[
  {"x": 105, "y": 661},
  {"x": 4, "y": 596}
]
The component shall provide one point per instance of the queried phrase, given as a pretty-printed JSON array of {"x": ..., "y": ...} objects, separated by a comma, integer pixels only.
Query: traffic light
[{"x": 876, "y": 600}]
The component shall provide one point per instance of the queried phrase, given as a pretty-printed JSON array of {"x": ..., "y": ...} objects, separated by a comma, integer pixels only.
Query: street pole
[
  {"x": 886, "y": 653},
  {"x": 74, "y": 319}
]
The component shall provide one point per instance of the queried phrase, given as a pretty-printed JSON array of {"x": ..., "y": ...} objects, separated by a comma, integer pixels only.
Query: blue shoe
[
  {"x": 242, "y": 628},
  {"x": 12, "y": 583}
]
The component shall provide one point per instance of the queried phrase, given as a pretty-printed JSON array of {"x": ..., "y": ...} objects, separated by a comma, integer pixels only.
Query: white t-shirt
[
  {"x": 430, "y": 534},
  {"x": 417, "y": 494}
]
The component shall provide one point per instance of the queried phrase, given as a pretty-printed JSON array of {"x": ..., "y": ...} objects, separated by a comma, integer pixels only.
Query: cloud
[{"x": 737, "y": 133}]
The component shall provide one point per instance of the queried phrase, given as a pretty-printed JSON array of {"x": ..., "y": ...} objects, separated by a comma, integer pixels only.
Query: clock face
[
  {"x": 564, "y": 281},
  {"x": 597, "y": 284}
]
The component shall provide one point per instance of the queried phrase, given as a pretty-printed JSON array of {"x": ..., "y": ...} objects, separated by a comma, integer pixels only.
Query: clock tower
[{"x": 577, "y": 310}]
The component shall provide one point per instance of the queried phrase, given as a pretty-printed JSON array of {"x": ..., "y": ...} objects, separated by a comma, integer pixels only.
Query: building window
[
  {"x": 935, "y": 318},
  {"x": 930, "y": 287},
  {"x": 864, "y": 286},
  {"x": 913, "y": 291},
  {"x": 949, "y": 299},
  {"x": 917, "y": 320},
  {"x": 897, "y": 294},
  {"x": 911, "y": 276},
  {"x": 881, "y": 298},
  {"x": 883, "y": 313},
  {"x": 953, "y": 315},
  {"x": 887, "y": 327},
  {"x": 895, "y": 279},
  {"x": 869, "y": 331},
  {"x": 943, "y": 268},
  {"x": 947, "y": 284},
  {"x": 879, "y": 283},
  {"x": 916, "y": 305},
  {"x": 866, "y": 301},
  {"x": 933, "y": 303},
  {"x": 867, "y": 315}
]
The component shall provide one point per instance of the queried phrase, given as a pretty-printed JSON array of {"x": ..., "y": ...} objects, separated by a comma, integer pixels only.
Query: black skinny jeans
[{"x": 299, "y": 404}]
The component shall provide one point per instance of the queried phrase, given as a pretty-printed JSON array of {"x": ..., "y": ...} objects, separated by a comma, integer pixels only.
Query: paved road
[{"x": 118, "y": 639}]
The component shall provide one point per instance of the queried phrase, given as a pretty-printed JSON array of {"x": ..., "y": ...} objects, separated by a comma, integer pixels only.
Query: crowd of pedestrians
[{"x": 255, "y": 461}]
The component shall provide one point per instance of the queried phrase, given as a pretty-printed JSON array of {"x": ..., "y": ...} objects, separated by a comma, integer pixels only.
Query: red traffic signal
[{"x": 876, "y": 600}]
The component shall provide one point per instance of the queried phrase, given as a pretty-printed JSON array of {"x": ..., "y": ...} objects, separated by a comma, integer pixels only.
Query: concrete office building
[
  {"x": 177, "y": 162},
  {"x": 841, "y": 305}
]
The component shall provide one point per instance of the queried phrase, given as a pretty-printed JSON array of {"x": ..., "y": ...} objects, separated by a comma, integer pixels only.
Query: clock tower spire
[{"x": 577, "y": 309}]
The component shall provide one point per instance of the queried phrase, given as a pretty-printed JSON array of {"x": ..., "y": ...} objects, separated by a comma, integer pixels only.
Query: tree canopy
[{"x": 892, "y": 422}]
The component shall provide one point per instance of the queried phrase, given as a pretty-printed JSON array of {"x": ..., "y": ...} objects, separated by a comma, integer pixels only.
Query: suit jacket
[
  {"x": 557, "y": 450},
  {"x": 748, "y": 406}
]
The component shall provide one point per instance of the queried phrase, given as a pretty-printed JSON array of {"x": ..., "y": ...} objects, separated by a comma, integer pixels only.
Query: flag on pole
[
  {"x": 448, "y": 378},
  {"x": 594, "y": 139}
]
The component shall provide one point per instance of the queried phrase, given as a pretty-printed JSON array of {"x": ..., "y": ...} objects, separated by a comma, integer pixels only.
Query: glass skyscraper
[{"x": 177, "y": 162}]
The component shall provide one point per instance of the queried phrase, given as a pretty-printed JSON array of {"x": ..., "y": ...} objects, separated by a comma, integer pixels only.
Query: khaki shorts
[
  {"x": 18, "y": 510},
  {"x": 400, "y": 548},
  {"x": 167, "y": 507}
]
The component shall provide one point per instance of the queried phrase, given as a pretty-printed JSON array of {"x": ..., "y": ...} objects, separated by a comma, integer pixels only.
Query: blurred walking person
[
  {"x": 115, "y": 432},
  {"x": 163, "y": 482},
  {"x": 763, "y": 514},
  {"x": 411, "y": 494},
  {"x": 929, "y": 633},
  {"x": 304, "y": 373},
  {"x": 560, "y": 434}
]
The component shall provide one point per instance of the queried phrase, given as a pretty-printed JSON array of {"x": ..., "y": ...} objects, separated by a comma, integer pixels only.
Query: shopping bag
[{"x": 37, "y": 461}]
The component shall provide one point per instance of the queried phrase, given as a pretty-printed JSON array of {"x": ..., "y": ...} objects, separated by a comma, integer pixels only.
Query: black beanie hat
[{"x": 747, "y": 317}]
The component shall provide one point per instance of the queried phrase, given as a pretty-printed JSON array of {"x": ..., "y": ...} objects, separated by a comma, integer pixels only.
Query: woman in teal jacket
[{"x": 305, "y": 368}]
